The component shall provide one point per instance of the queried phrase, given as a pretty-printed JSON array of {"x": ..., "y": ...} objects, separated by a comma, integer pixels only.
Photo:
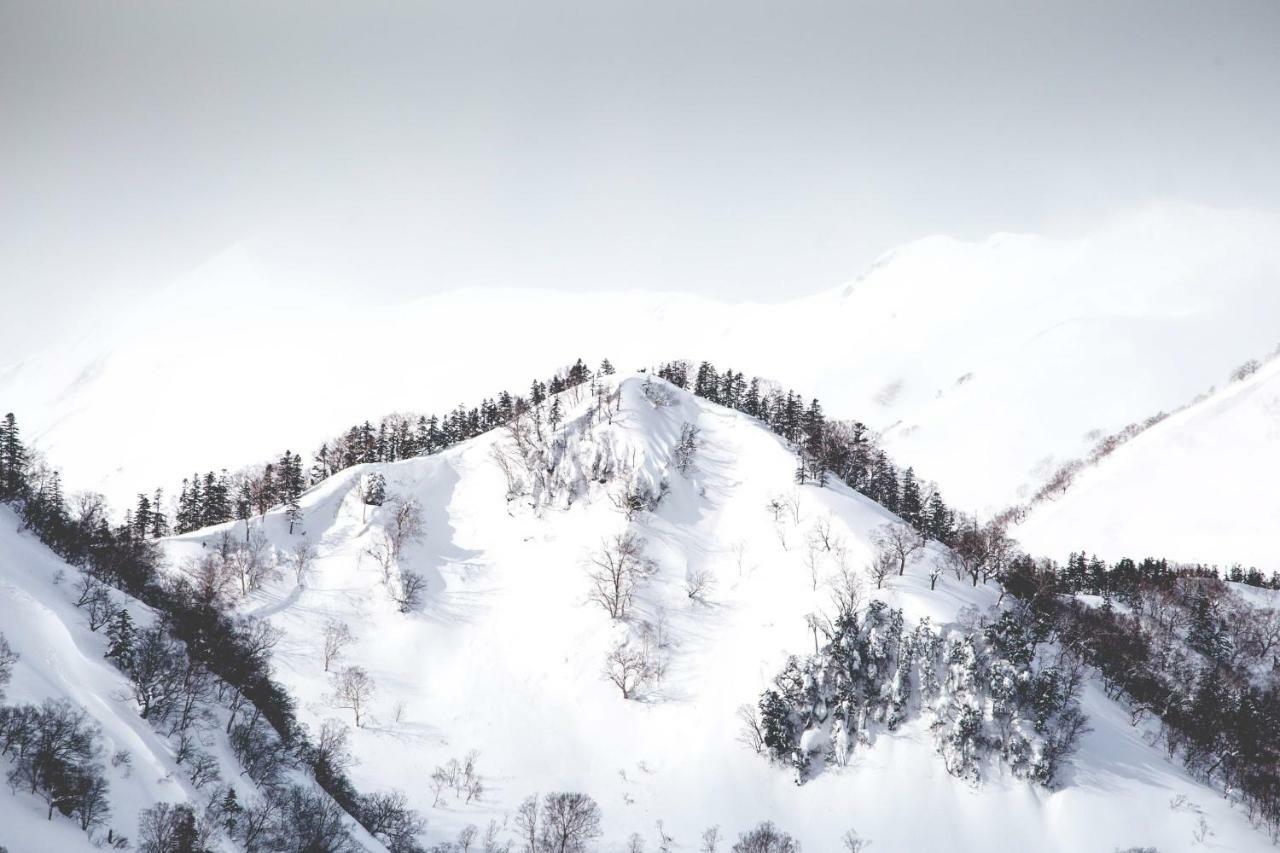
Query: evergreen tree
[
  {"x": 231, "y": 811},
  {"x": 13, "y": 459},
  {"x": 121, "y": 640},
  {"x": 910, "y": 507},
  {"x": 141, "y": 518},
  {"x": 606, "y": 368},
  {"x": 159, "y": 521}
]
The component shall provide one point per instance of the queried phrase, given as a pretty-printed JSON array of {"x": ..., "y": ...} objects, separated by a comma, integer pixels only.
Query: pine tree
[
  {"x": 142, "y": 517},
  {"x": 121, "y": 640},
  {"x": 159, "y": 521},
  {"x": 606, "y": 367},
  {"x": 910, "y": 507},
  {"x": 13, "y": 459},
  {"x": 231, "y": 811}
]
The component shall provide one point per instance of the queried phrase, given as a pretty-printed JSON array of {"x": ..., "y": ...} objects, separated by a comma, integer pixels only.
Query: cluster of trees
[
  {"x": 844, "y": 449},
  {"x": 1124, "y": 578},
  {"x": 198, "y": 654},
  {"x": 991, "y": 689},
  {"x": 402, "y": 436},
  {"x": 55, "y": 752},
  {"x": 1179, "y": 645},
  {"x": 216, "y": 498}
]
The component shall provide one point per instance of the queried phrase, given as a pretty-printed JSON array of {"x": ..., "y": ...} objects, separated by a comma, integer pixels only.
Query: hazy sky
[{"x": 730, "y": 148}]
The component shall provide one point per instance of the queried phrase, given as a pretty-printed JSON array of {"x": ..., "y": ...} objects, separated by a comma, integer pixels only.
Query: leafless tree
[
  {"x": 405, "y": 526},
  {"x": 882, "y": 566},
  {"x": 777, "y": 505},
  {"x": 617, "y": 571},
  {"x": 766, "y": 838},
  {"x": 752, "y": 734},
  {"x": 821, "y": 535},
  {"x": 630, "y": 669},
  {"x": 251, "y": 563},
  {"x": 407, "y": 590},
  {"x": 813, "y": 562},
  {"x": 853, "y": 842},
  {"x": 936, "y": 569},
  {"x": 211, "y": 578},
  {"x": 438, "y": 783},
  {"x": 336, "y": 637},
  {"x": 710, "y": 840},
  {"x": 383, "y": 555},
  {"x": 901, "y": 540},
  {"x": 698, "y": 583},
  {"x": 333, "y": 746},
  {"x": 527, "y": 823},
  {"x": 570, "y": 821},
  {"x": 352, "y": 689},
  {"x": 300, "y": 560}
]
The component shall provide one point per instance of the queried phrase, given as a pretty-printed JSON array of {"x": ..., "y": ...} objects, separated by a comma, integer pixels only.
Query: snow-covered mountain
[
  {"x": 983, "y": 364},
  {"x": 507, "y": 656},
  {"x": 1196, "y": 487}
]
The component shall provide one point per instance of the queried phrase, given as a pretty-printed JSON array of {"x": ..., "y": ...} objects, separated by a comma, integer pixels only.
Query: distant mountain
[
  {"x": 983, "y": 364},
  {"x": 1197, "y": 486}
]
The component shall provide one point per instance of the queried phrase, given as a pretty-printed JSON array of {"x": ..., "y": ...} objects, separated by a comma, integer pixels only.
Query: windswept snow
[
  {"x": 985, "y": 364},
  {"x": 1196, "y": 487},
  {"x": 506, "y": 656}
]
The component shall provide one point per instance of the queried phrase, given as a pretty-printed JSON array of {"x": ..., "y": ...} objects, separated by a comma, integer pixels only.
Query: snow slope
[
  {"x": 1196, "y": 487},
  {"x": 60, "y": 658},
  {"x": 985, "y": 364},
  {"x": 506, "y": 655}
]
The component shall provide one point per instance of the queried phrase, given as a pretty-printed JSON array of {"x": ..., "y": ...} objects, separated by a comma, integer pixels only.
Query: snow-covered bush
[{"x": 992, "y": 689}]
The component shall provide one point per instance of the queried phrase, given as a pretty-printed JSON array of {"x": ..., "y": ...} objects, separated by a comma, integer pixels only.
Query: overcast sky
[{"x": 736, "y": 149}]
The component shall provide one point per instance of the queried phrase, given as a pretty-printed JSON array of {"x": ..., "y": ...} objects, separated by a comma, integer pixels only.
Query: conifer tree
[
  {"x": 231, "y": 811},
  {"x": 910, "y": 507},
  {"x": 13, "y": 459},
  {"x": 159, "y": 521},
  {"x": 121, "y": 640},
  {"x": 141, "y": 518}
]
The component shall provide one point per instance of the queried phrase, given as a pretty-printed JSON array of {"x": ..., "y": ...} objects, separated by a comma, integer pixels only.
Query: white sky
[{"x": 727, "y": 148}]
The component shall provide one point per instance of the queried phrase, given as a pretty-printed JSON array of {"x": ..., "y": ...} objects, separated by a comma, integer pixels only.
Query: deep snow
[
  {"x": 506, "y": 658},
  {"x": 1196, "y": 487}
]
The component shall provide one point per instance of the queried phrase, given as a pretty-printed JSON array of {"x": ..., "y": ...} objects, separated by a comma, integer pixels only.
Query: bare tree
[
  {"x": 710, "y": 840},
  {"x": 777, "y": 505},
  {"x": 936, "y": 569},
  {"x": 527, "y": 823},
  {"x": 252, "y": 562},
  {"x": 698, "y": 583},
  {"x": 901, "y": 540},
  {"x": 300, "y": 560},
  {"x": 853, "y": 842},
  {"x": 352, "y": 689},
  {"x": 617, "y": 570},
  {"x": 570, "y": 821},
  {"x": 882, "y": 565},
  {"x": 406, "y": 525},
  {"x": 752, "y": 734},
  {"x": 629, "y": 668},
  {"x": 821, "y": 535},
  {"x": 766, "y": 838},
  {"x": 383, "y": 554},
  {"x": 336, "y": 636},
  {"x": 408, "y": 590}
]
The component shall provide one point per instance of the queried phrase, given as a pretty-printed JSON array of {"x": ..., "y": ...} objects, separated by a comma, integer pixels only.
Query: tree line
[
  {"x": 198, "y": 653},
  {"x": 845, "y": 449}
]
